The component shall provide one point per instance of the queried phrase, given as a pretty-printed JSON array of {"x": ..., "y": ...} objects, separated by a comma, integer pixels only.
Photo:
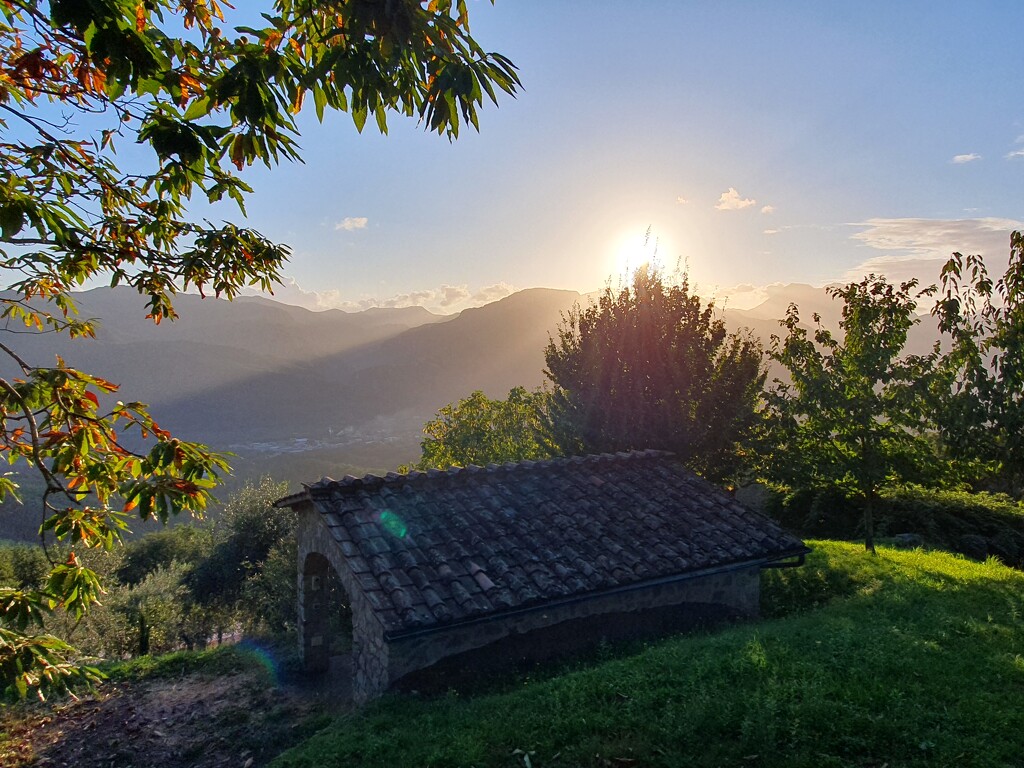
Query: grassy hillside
[{"x": 918, "y": 661}]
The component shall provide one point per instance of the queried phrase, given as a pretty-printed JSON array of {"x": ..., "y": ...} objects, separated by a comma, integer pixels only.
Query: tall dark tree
[
  {"x": 652, "y": 366},
  {"x": 853, "y": 412},
  {"x": 203, "y": 99}
]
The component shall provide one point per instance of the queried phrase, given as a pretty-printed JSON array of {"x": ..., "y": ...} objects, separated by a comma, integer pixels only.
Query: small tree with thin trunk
[{"x": 851, "y": 413}]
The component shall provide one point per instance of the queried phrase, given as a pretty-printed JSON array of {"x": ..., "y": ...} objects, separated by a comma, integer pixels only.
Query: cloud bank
[
  {"x": 919, "y": 247},
  {"x": 445, "y": 299}
]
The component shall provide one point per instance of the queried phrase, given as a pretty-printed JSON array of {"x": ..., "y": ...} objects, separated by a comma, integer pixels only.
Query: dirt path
[{"x": 194, "y": 721}]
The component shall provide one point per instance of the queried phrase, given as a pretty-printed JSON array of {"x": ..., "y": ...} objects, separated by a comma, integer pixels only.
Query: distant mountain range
[{"x": 300, "y": 392}]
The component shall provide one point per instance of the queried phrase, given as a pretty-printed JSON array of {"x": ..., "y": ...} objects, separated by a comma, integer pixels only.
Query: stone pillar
[{"x": 370, "y": 676}]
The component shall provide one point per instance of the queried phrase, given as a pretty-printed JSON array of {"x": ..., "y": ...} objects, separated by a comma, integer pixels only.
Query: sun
[{"x": 632, "y": 251}]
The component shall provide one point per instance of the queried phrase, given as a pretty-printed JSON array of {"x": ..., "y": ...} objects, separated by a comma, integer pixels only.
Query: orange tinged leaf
[
  {"x": 273, "y": 39},
  {"x": 190, "y": 87}
]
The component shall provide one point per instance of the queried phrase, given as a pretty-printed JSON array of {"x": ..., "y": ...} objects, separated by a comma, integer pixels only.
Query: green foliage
[
  {"x": 140, "y": 619},
  {"x": 274, "y": 588},
  {"x": 864, "y": 679},
  {"x": 204, "y": 100},
  {"x": 975, "y": 524},
  {"x": 981, "y": 414},
  {"x": 481, "y": 431},
  {"x": 248, "y": 529},
  {"x": 651, "y": 366},
  {"x": 22, "y": 566},
  {"x": 38, "y": 662},
  {"x": 182, "y": 586},
  {"x": 852, "y": 413},
  {"x": 181, "y": 544}
]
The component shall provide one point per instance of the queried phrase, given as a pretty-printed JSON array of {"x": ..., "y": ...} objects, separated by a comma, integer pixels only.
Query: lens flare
[
  {"x": 393, "y": 524},
  {"x": 264, "y": 656}
]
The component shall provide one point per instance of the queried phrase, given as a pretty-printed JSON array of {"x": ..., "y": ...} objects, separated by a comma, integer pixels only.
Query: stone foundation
[{"x": 724, "y": 595}]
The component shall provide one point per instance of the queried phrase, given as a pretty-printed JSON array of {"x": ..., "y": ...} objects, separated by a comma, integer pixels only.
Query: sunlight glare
[{"x": 635, "y": 249}]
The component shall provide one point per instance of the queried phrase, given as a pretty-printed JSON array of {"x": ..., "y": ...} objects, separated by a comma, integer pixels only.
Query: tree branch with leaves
[
  {"x": 981, "y": 413},
  {"x": 207, "y": 99}
]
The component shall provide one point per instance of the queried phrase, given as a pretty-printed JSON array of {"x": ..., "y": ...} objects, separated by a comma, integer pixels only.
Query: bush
[
  {"x": 947, "y": 518},
  {"x": 975, "y": 524},
  {"x": 248, "y": 529},
  {"x": 274, "y": 588},
  {"x": 186, "y": 544},
  {"x": 22, "y": 566},
  {"x": 181, "y": 587},
  {"x": 137, "y": 620}
]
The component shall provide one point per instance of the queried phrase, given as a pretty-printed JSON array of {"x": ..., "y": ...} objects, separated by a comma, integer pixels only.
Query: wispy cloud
[
  {"x": 771, "y": 232},
  {"x": 350, "y": 223},
  {"x": 968, "y": 158},
  {"x": 731, "y": 200},
  {"x": 682, "y": 200},
  {"x": 1014, "y": 154},
  {"x": 919, "y": 247},
  {"x": 768, "y": 209}
]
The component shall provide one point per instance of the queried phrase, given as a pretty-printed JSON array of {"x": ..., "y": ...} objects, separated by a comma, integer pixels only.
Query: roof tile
[{"x": 486, "y": 540}]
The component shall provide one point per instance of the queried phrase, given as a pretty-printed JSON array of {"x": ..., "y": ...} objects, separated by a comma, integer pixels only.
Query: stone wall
[{"x": 736, "y": 592}]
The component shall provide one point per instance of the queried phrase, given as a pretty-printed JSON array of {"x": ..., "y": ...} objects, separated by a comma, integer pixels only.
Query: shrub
[
  {"x": 22, "y": 566},
  {"x": 182, "y": 544},
  {"x": 974, "y": 524}
]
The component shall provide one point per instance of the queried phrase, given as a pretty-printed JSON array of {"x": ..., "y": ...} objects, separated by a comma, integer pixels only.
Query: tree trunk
[
  {"x": 869, "y": 522},
  {"x": 143, "y": 635}
]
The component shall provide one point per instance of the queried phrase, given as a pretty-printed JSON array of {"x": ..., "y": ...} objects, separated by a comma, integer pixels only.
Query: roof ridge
[{"x": 372, "y": 481}]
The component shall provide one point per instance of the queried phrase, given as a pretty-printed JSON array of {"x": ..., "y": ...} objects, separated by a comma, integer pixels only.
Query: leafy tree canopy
[
  {"x": 481, "y": 431},
  {"x": 854, "y": 409},
  {"x": 982, "y": 418},
  {"x": 204, "y": 99},
  {"x": 652, "y": 366}
]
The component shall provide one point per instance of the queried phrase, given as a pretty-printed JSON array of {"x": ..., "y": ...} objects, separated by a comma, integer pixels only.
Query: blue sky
[{"x": 760, "y": 142}]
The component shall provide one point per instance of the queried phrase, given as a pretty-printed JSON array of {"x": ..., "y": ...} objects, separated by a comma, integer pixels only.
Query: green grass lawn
[{"x": 908, "y": 658}]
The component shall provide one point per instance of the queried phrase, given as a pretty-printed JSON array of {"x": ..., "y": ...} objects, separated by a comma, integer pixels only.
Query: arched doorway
[{"x": 325, "y": 622}]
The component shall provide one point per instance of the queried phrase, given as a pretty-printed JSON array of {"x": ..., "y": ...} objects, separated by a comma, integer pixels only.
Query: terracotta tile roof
[{"x": 433, "y": 548}]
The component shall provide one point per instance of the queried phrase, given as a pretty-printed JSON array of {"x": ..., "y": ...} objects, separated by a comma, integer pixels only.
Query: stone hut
[{"x": 437, "y": 564}]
